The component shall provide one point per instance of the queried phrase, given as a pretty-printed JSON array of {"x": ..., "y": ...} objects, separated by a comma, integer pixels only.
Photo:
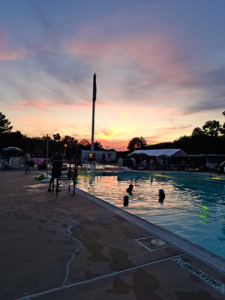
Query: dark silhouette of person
[
  {"x": 161, "y": 196},
  {"x": 130, "y": 189},
  {"x": 56, "y": 169},
  {"x": 125, "y": 201}
]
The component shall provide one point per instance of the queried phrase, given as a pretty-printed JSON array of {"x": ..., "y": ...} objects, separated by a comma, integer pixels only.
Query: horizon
[{"x": 160, "y": 68}]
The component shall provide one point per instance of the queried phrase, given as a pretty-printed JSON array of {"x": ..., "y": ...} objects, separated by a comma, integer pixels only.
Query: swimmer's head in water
[{"x": 161, "y": 192}]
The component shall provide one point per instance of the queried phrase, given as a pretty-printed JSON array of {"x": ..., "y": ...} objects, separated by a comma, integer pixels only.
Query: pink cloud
[
  {"x": 6, "y": 54},
  {"x": 158, "y": 54}
]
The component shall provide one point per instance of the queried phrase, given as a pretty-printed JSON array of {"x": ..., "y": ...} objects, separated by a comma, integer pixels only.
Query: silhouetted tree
[
  {"x": 198, "y": 132},
  {"x": 72, "y": 147},
  {"x": 70, "y": 140},
  {"x": 14, "y": 139},
  {"x": 214, "y": 127},
  {"x": 222, "y": 130},
  {"x": 98, "y": 146},
  {"x": 84, "y": 145},
  {"x": 137, "y": 143},
  {"x": 4, "y": 124}
]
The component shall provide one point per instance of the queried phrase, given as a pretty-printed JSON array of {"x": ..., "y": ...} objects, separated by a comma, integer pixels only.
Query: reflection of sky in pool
[{"x": 183, "y": 210}]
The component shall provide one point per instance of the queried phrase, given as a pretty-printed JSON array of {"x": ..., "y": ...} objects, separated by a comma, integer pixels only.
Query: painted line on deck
[
  {"x": 28, "y": 297},
  {"x": 149, "y": 249}
]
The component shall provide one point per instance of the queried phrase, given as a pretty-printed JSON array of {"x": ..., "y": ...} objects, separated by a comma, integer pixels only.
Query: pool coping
[{"x": 184, "y": 245}]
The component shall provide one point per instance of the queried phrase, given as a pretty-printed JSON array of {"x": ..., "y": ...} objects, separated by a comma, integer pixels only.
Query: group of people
[{"x": 129, "y": 190}]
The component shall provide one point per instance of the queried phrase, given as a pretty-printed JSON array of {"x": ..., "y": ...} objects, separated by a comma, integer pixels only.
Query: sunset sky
[{"x": 160, "y": 67}]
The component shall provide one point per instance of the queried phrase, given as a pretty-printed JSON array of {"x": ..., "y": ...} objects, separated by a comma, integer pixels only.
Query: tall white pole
[
  {"x": 47, "y": 155},
  {"x": 93, "y": 112},
  {"x": 93, "y": 127}
]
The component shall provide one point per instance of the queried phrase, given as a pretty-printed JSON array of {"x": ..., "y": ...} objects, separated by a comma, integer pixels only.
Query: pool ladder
[{"x": 91, "y": 167}]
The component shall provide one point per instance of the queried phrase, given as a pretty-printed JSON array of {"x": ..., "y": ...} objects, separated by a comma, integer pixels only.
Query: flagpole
[{"x": 93, "y": 112}]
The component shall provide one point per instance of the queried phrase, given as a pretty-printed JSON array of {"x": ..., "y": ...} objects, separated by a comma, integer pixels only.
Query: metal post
[
  {"x": 57, "y": 184},
  {"x": 53, "y": 165},
  {"x": 74, "y": 184},
  {"x": 93, "y": 124},
  {"x": 93, "y": 112},
  {"x": 47, "y": 156},
  {"x": 206, "y": 129}
]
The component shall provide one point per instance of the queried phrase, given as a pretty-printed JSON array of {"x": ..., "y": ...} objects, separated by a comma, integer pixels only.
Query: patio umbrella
[{"x": 12, "y": 150}]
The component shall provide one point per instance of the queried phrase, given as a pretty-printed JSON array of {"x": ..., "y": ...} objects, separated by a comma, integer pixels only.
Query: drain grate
[
  {"x": 152, "y": 243},
  {"x": 158, "y": 243}
]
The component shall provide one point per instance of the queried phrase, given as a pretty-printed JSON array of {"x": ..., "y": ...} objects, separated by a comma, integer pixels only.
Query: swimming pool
[{"x": 194, "y": 206}]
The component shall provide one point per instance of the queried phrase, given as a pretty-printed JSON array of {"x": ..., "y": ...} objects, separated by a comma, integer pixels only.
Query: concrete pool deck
[{"x": 76, "y": 248}]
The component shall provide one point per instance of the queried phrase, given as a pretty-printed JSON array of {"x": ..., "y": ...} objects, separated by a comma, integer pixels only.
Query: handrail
[{"x": 87, "y": 166}]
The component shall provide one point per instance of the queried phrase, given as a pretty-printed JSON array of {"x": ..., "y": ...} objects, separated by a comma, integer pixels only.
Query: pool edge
[{"x": 188, "y": 247}]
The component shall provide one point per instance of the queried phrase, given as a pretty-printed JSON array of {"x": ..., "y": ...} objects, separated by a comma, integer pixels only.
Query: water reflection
[{"x": 181, "y": 211}]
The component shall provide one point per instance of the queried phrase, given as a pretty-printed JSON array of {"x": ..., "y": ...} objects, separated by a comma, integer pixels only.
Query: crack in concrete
[{"x": 66, "y": 282}]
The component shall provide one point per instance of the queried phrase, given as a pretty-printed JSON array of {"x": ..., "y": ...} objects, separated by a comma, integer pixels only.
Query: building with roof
[{"x": 156, "y": 152}]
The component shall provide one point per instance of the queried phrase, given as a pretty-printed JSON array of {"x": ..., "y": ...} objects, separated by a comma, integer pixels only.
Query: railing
[
  {"x": 97, "y": 167},
  {"x": 87, "y": 166}
]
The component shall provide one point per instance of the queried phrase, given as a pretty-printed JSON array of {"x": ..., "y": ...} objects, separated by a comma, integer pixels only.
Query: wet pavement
[{"x": 72, "y": 248}]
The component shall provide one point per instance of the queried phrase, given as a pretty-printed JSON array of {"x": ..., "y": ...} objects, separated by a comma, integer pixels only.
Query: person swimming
[
  {"x": 130, "y": 189},
  {"x": 161, "y": 196},
  {"x": 125, "y": 201}
]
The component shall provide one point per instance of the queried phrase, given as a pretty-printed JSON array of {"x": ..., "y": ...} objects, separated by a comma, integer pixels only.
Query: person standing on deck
[
  {"x": 56, "y": 169},
  {"x": 27, "y": 162}
]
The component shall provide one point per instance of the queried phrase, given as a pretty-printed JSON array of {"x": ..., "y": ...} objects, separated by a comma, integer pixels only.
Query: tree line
[
  {"x": 211, "y": 132},
  {"x": 210, "y": 138},
  {"x": 34, "y": 145}
]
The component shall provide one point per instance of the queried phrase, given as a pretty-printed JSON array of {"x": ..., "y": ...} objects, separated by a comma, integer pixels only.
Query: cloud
[
  {"x": 5, "y": 53},
  {"x": 53, "y": 105},
  {"x": 158, "y": 55},
  {"x": 124, "y": 114},
  {"x": 114, "y": 144},
  {"x": 146, "y": 75}
]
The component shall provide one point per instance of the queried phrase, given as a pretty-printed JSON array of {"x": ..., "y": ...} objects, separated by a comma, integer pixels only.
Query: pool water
[{"x": 194, "y": 206}]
